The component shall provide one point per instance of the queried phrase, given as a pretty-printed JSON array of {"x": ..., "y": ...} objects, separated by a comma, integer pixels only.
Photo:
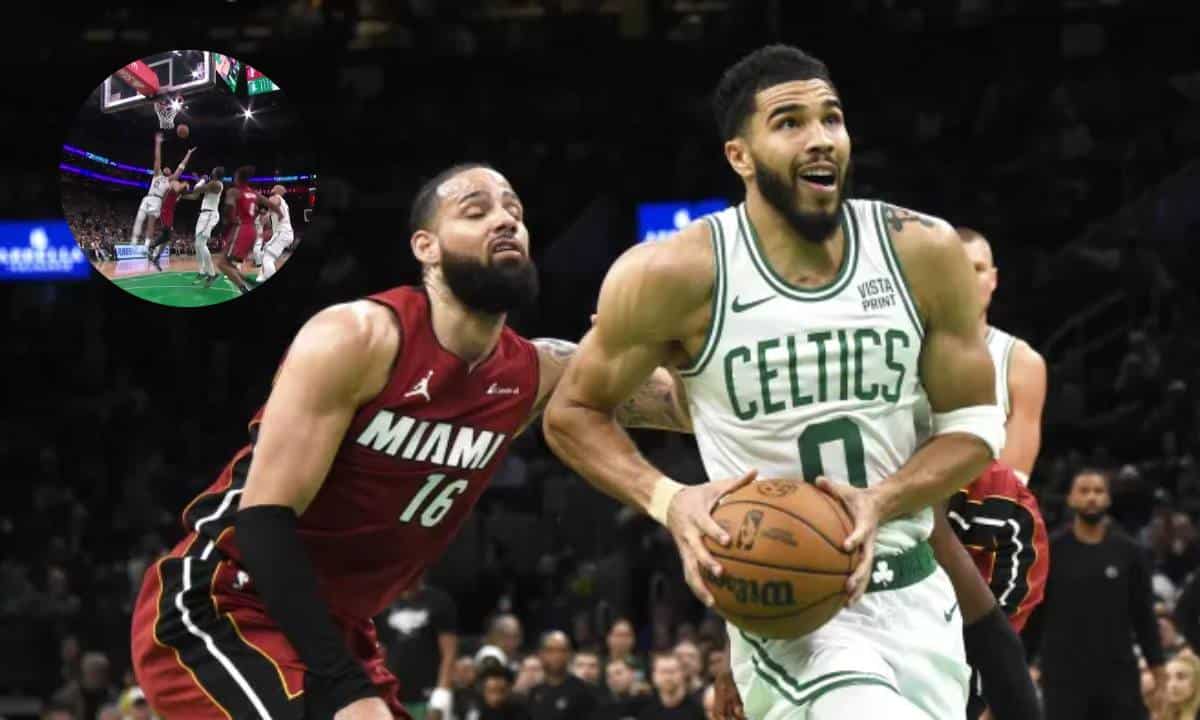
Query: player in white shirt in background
[
  {"x": 151, "y": 205},
  {"x": 282, "y": 235}
]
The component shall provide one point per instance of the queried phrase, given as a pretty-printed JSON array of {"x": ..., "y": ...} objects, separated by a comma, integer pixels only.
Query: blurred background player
[
  {"x": 175, "y": 188},
  {"x": 281, "y": 232},
  {"x": 209, "y": 191},
  {"x": 148, "y": 210},
  {"x": 997, "y": 518},
  {"x": 1020, "y": 370},
  {"x": 260, "y": 221},
  {"x": 243, "y": 202}
]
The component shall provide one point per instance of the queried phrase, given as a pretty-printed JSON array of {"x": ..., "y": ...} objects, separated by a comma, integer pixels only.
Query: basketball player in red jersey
[
  {"x": 245, "y": 202},
  {"x": 175, "y": 187},
  {"x": 385, "y": 421}
]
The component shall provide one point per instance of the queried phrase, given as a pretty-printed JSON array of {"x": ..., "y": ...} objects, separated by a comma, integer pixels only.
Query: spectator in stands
[
  {"x": 586, "y": 666},
  {"x": 1181, "y": 699},
  {"x": 505, "y": 635},
  {"x": 620, "y": 641},
  {"x": 688, "y": 656},
  {"x": 1175, "y": 545},
  {"x": 465, "y": 700},
  {"x": 133, "y": 705},
  {"x": 670, "y": 700},
  {"x": 59, "y": 604},
  {"x": 419, "y": 631},
  {"x": 495, "y": 688},
  {"x": 1172, "y": 640},
  {"x": 530, "y": 675},
  {"x": 1187, "y": 611},
  {"x": 92, "y": 690},
  {"x": 715, "y": 662},
  {"x": 623, "y": 697},
  {"x": 709, "y": 702},
  {"x": 1097, "y": 597},
  {"x": 561, "y": 696}
]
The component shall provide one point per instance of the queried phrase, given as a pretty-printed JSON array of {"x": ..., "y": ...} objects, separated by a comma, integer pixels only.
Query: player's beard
[
  {"x": 1091, "y": 518},
  {"x": 497, "y": 287},
  {"x": 781, "y": 194}
]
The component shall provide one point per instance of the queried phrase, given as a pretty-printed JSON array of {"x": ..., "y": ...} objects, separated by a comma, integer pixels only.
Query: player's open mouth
[
  {"x": 506, "y": 248},
  {"x": 820, "y": 176},
  {"x": 821, "y": 179}
]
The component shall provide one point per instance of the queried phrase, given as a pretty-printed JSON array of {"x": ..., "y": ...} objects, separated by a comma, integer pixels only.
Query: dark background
[{"x": 1067, "y": 132}]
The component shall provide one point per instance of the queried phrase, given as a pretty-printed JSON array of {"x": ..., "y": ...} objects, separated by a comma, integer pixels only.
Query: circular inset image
[{"x": 188, "y": 179}]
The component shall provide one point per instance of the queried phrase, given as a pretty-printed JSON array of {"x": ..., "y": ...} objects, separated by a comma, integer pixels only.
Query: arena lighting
[
  {"x": 247, "y": 113},
  {"x": 98, "y": 176},
  {"x": 149, "y": 171}
]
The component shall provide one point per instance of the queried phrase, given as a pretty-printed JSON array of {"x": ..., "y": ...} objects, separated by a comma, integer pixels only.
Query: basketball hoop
[{"x": 166, "y": 109}]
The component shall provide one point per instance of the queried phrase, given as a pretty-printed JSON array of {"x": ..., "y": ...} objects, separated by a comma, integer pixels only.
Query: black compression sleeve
[
  {"x": 994, "y": 649},
  {"x": 283, "y": 574}
]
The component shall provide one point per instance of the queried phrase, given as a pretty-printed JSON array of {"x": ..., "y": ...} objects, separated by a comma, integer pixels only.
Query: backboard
[{"x": 179, "y": 72}]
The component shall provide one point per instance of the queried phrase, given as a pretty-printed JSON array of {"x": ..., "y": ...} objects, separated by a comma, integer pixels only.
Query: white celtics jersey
[
  {"x": 811, "y": 381},
  {"x": 158, "y": 186},
  {"x": 283, "y": 223},
  {"x": 211, "y": 199},
  {"x": 1000, "y": 346}
]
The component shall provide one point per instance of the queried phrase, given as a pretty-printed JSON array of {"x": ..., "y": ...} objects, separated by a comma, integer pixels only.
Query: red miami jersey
[
  {"x": 167, "y": 212},
  {"x": 410, "y": 468},
  {"x": 245, "y": 206},
  {"x": 998, "y": 520}
]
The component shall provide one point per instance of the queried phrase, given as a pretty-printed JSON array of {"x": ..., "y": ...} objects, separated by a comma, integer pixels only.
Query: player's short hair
[
  {"x": 1104, "y": 474},
  {"x": 243, "y": 173},
  {"x": 425, "y": 204},
  {"x": 218, "y": 172},
  {"x": 733, "y": 98}
]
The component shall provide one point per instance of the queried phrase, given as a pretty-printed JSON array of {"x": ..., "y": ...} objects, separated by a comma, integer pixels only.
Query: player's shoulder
[
  {"x": 358, "y": 329},
  {"x": 917, "y": 235},
  {"x": 1024, "y": 356},
  {"x": 681, "y": 263}
]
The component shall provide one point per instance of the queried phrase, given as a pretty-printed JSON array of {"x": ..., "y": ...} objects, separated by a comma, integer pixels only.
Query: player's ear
[
  {"x": 737, "y": 152},
  {"x": 425, "y": 247}
]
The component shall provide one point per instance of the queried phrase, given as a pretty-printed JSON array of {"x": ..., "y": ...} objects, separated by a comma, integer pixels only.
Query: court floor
[{"x": 179, "y": 284}]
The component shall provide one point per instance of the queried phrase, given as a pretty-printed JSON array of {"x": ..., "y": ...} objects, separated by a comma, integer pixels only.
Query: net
[{"x": 166, "y": 109}]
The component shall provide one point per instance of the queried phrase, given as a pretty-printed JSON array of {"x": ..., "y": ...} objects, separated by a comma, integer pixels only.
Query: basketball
[
  {"x": 785, "y": 570},
  {"x": 182, "y": 131}
]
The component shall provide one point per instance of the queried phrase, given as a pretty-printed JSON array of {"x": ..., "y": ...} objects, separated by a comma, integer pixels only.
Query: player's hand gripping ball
[{"x": 785, "y": 569}]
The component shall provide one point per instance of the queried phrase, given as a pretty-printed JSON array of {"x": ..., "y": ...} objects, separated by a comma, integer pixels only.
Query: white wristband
[
  {"x": 1022, "y": 477},
  {"x": 441, "y": 699},
  {"x": 985, "y": 422},
  {"x": 664, "y": 490}
]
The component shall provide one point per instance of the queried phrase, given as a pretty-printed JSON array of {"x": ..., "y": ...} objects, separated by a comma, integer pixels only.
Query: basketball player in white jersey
[
  {"x": 151, "y": 205},
  {"x": 807, "y": 328},
  {"x": 260, "y": 219},
  {"x": 1020, "y": 370},
  {"x": 209, "y": 191},
  {"x": 281, "y": 231}
]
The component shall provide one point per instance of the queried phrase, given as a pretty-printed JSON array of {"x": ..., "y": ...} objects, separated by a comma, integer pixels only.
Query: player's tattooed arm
[
  {"x": 897, "y": 217},
  {"x": 657, "y": 403}
]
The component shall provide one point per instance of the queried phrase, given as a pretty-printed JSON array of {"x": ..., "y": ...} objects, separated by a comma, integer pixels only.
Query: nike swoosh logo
[
  {"x": 739, "y": 307},
  {"x": 950, "y": 613}
]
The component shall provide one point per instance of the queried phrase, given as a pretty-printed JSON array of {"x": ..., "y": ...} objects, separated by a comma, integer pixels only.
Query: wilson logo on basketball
[{"x": 773, "y": 593}]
